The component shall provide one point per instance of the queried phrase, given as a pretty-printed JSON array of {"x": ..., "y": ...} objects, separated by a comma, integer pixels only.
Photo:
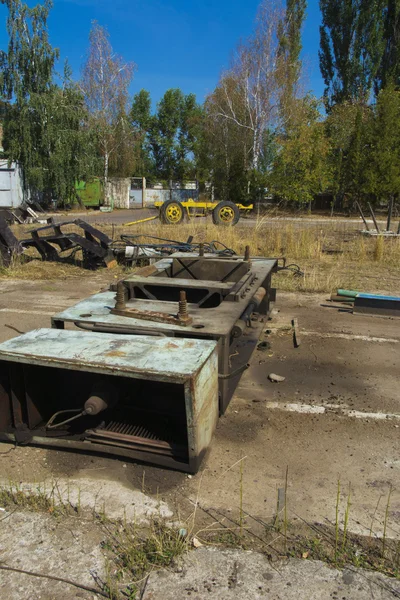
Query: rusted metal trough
[{"x": 148, "y": 365}]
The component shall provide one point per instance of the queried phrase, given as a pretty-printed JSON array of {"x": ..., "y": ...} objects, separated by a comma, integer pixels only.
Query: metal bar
[
  {"x": 390, "y": 211},
  {"x": 186, "y": 268},
  {"x": 374, "y": 218},
  {"x": 362, "y": 216},
  {"x": 141, "y": 221}
]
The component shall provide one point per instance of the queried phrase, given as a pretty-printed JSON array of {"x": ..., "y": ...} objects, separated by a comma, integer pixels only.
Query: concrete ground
[
  {"x": 336, "y": 416},
  {"x": 235, "y": 575}
]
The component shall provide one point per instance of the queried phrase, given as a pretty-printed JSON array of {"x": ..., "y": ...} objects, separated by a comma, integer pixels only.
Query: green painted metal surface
[{"x": 90, "y": 192}]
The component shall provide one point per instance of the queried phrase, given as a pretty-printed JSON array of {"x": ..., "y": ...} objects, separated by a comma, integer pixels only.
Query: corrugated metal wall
[{"x": 11, "y": 191}]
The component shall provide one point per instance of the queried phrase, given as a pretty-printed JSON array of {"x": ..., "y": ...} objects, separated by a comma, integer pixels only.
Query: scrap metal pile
[
  {"x": 145, "y": 369},
  {"x": 57, "y": 242}
]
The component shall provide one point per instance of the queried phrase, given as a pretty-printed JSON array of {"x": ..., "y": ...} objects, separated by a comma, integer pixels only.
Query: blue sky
[{"x": 175, "y": 43}]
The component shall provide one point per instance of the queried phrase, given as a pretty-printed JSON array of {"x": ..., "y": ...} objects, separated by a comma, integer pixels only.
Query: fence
[{"x": 135, "y": 192}]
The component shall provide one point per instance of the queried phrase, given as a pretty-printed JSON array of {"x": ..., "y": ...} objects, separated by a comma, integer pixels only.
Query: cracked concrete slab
[
  {"x": 238, "y": 575},
  {"x": 65, "y": 548}
]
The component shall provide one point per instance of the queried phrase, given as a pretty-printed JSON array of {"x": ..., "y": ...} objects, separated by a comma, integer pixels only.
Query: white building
[{"x": 11, "y": 189}]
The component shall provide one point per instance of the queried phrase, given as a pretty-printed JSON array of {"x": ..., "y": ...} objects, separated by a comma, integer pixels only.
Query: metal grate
[{"x": 129, "y": 429}]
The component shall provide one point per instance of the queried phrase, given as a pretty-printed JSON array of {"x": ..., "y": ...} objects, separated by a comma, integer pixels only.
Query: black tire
[
  {"x": 172, "y": 213},
  {"x": 225, "y": 213}
]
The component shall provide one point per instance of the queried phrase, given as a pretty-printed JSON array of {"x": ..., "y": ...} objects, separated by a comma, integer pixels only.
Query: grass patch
[
  {"x": 132, "y": 552},
  {"x": 135, "y": 552},
  {"x": 42, "y": 497},
  {"x": 333, "y": 255}
]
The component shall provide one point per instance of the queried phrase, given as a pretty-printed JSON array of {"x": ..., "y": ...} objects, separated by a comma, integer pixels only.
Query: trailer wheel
[
  {"x": 172, "y": 213},
  {"x": 225, "y": 213}
]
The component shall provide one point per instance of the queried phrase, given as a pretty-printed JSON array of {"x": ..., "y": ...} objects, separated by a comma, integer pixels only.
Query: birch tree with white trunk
[
  {"x": 252, "y": 104},
  {"x": 105, "y": 82}
]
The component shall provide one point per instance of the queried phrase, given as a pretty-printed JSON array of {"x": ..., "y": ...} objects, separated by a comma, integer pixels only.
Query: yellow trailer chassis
[{"x": 172, "y": 212}]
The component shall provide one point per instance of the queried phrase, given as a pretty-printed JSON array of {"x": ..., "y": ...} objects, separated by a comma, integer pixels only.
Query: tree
[
  {"x": 190, "y": 131},
  {"x": 290, "y": 46},
  {"x": 346, "y": 127},
  {"x": 141, "y": 121},
  {"x": 105, "y": 81},
  {"x": 351, "y": 47},
  {"x": 226, "y": 144},
  {"x": 123, "y": 162},
  {"x": 44, "y": 123},
  {"x": 168, "y": 140},
  {"x": 383, "y": 168},
  {"x": 248, "y": 94},
  {"x": 164, "y": 133},
  {"x": 300, "y": 169},
  {"x": 389, "y": 69}
]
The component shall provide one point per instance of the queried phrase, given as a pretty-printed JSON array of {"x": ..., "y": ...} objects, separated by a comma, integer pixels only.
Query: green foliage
[
  {"x": 351, "y": 48},
  {"x": 28, "y": 66},
  {"x": 290, "y": 46},
  {"x": 123, "y": 159},
  {"x": 347, "y": 127},
  {"x": 169, "y": 141},
  {"x": 44, "y": 124},
  {"x": 141, "y": 120},
  {"x": 389, "y": 70},
  {"x": 382, "y": 171},
  {"x": 300, "y": 170}
]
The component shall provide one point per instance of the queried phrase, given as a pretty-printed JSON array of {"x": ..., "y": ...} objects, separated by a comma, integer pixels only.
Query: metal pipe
[
  {"x": 374, "y": 218},
  {"x": 96, "y": 328},
  {"x": 234, "y": 373},
  {"x": 390, "y": 211},
  {"x": 241, "y": 324},
  {"x": 362, "y": 216}
]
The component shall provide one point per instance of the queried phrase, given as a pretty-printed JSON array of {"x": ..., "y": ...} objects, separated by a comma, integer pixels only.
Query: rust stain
[
  {"x": 115, "y": 353},
  {"x": 171, "y": 345}
]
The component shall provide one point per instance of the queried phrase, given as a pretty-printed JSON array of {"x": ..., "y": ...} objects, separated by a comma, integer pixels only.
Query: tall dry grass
[{"x": 331, "y": 256}]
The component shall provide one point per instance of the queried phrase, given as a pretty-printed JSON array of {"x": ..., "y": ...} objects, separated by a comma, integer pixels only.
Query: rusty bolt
[
  {"x": 183, "y": 312},
  {"x": 247, "y": 253},
  {"x": 120, "y": 303}
]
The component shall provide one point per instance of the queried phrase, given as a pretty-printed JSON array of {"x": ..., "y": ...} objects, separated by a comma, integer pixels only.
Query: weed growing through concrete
[
  {"x": 337, "y": 520},
  {"x": 37, "y": 497},
  {"x": 132, "y": 552},
  {"x": 385, "y": 523},
  {"x": 346, "y": 518},
  {"x": 136, "y": 552}
]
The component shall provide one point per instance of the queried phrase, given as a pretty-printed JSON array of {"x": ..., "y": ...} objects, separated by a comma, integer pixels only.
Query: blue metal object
[
  {"x": 386, "y": 306},
  {"x": 378, "y": 297}
]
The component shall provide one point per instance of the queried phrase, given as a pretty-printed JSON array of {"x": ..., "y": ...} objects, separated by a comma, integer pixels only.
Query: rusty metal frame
[{"x": 220, "y": 323}]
